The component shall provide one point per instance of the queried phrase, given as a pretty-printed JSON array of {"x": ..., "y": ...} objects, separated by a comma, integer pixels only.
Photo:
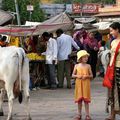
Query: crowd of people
[
  {"x": 58, "y": 50},
  {"x": 88, "y": 46}
]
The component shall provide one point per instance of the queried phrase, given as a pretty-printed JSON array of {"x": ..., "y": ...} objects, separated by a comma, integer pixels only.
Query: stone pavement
[{"x": 59, "y": 104}]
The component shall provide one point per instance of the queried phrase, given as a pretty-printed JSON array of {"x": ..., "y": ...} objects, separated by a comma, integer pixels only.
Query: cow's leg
[
  {"x": 1, "y": 101},
  {"x": 105, "y": 67},
  {"x": 27, "y": 99},
  {"x": 25, "y": 84},
  {"x": 10, "y": 103},
  {"x": 9, "y": 89},
  {"x": 27, "y": 102}
]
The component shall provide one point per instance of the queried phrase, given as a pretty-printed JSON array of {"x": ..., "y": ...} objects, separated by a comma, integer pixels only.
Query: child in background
[
  {"x": 83, "y": 74},
  {"x": 3, "y": 42},
  {"x": 102, "y": 47}
]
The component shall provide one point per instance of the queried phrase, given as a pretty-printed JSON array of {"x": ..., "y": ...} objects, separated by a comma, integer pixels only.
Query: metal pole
[
  {"x": 30, "y": 15},
  {"x": 17, "y": 12},
  {"x": 81, "y": 13}
]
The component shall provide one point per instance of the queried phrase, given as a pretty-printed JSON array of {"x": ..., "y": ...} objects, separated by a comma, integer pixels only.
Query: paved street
[{"x": 59, "y": 104}]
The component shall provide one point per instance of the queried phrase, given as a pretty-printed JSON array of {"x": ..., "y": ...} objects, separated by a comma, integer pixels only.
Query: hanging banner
[
  {"x": 17, "y": 30},
  {"x": 90, "y": 8}
]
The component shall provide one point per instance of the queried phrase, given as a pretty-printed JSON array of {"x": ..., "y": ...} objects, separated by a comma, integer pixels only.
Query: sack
[{"x": 109, "y": 76}]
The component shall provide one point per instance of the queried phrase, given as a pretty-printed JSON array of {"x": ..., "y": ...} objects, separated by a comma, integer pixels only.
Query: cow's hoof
[
  {"x": 1, "y": 114},
  {"x": 29, "y": 118},
  {"x": 10, "y": 118}
]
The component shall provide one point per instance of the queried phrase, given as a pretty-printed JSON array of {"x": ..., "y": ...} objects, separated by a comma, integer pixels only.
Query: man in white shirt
[
  {"x": 51, "y": 58},
  {"x": 64, "y": 43}
]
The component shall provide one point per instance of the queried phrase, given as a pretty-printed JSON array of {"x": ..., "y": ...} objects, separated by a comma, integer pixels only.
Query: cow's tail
[{"x": 21, "y": 55}]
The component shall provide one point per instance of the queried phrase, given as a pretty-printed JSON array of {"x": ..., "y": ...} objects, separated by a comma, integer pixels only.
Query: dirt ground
[{"x": 59, "y": 104}]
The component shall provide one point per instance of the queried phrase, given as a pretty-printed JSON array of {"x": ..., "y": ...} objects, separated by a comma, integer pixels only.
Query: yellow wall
[
  {"x": 109, "y": 9},
  {"x": 118, "y": 2},
  {"x": 46, "y": 1}
]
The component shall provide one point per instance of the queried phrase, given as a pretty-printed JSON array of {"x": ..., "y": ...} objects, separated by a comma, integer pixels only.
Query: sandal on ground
[
  {"x": 109, "y": 118},
  {"x": 88, "y": 117},
  {"x": 78, "y": 117}
]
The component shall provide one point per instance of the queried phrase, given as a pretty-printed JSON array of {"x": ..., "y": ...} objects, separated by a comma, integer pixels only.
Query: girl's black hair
[{"x": 115, "y": 26}]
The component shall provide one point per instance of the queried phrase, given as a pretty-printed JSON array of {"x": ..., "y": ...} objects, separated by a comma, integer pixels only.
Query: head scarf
[{"x": 91, "y": 42}]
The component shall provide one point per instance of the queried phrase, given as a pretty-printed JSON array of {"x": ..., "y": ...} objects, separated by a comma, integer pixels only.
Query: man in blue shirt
[{"x": 64, "y": 44}]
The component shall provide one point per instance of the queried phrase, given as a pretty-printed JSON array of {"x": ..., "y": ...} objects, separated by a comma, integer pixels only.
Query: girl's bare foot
[
  {"x": 88, "y": 117},
  {"x": 78, "y": 117}
]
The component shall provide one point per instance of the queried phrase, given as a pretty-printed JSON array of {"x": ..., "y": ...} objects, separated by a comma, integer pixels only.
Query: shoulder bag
[{"x": 109, "y": 75}]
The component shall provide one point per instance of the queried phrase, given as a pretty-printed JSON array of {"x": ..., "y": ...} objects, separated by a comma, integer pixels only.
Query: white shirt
[
  {"x": 64, "y": 43},
  {"x": 51, "y": 51}
]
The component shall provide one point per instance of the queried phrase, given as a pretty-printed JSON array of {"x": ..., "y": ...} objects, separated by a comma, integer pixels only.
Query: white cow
[
  {"x": 14, "y": 69},
  {"x": 104, "y": 57}
]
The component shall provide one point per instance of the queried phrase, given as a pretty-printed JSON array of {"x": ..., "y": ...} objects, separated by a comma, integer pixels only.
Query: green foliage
[
  {"x": 8, "y": 5},
  {"x": 37, "y": 14}
]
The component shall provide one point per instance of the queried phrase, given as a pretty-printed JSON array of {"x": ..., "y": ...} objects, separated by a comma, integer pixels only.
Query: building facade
[
  {"x": 110, "y": 13},
  {"x": 52, "y": 9},
  {"x": 118, "y": 2}
]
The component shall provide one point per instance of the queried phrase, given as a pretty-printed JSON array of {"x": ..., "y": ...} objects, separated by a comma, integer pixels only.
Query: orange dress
[{"x": 82, "y": 86}]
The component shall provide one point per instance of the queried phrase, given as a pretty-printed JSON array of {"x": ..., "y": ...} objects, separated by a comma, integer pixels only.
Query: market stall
[
  {"x": 18, "y": 36},
  {"x": 37, "y": 69}
]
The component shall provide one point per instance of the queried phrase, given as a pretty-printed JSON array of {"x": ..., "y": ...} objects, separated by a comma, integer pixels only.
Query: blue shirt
[{"x": 64, "y": 44}]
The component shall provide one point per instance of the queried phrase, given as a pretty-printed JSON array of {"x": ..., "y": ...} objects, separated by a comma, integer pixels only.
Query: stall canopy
[
  {"x": 17, "y": 30},
  {"x": 78, "y": 26},
  {"x": 60, "y": 21},
  {"x": 102, "y": 25},
  {"x": 5, "y": 17},
  {"x": 85, "y": 19}
]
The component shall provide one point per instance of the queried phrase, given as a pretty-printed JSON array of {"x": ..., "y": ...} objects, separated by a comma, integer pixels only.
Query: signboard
[
  {"x": 90, "y": 8},
  {"x": 85, "y": 8},
  {"x": 76, "y": 8},
  {"x": 30, "y": 8},
  {"x": 69, "y": 8}
]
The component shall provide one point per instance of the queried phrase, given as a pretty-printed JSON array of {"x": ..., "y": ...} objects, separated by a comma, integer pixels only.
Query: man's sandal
[{"x": 109, "y": 119}]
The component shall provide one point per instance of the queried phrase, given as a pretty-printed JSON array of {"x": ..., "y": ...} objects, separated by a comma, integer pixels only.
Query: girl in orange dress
[{"x": 83, "y": 74}]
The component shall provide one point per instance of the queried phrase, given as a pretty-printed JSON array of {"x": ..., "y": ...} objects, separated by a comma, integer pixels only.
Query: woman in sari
[{"x": 114, "y": 93}]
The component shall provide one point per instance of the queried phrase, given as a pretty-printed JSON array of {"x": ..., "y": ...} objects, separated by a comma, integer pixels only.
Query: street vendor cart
[{"x": 37, "y": 69}]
